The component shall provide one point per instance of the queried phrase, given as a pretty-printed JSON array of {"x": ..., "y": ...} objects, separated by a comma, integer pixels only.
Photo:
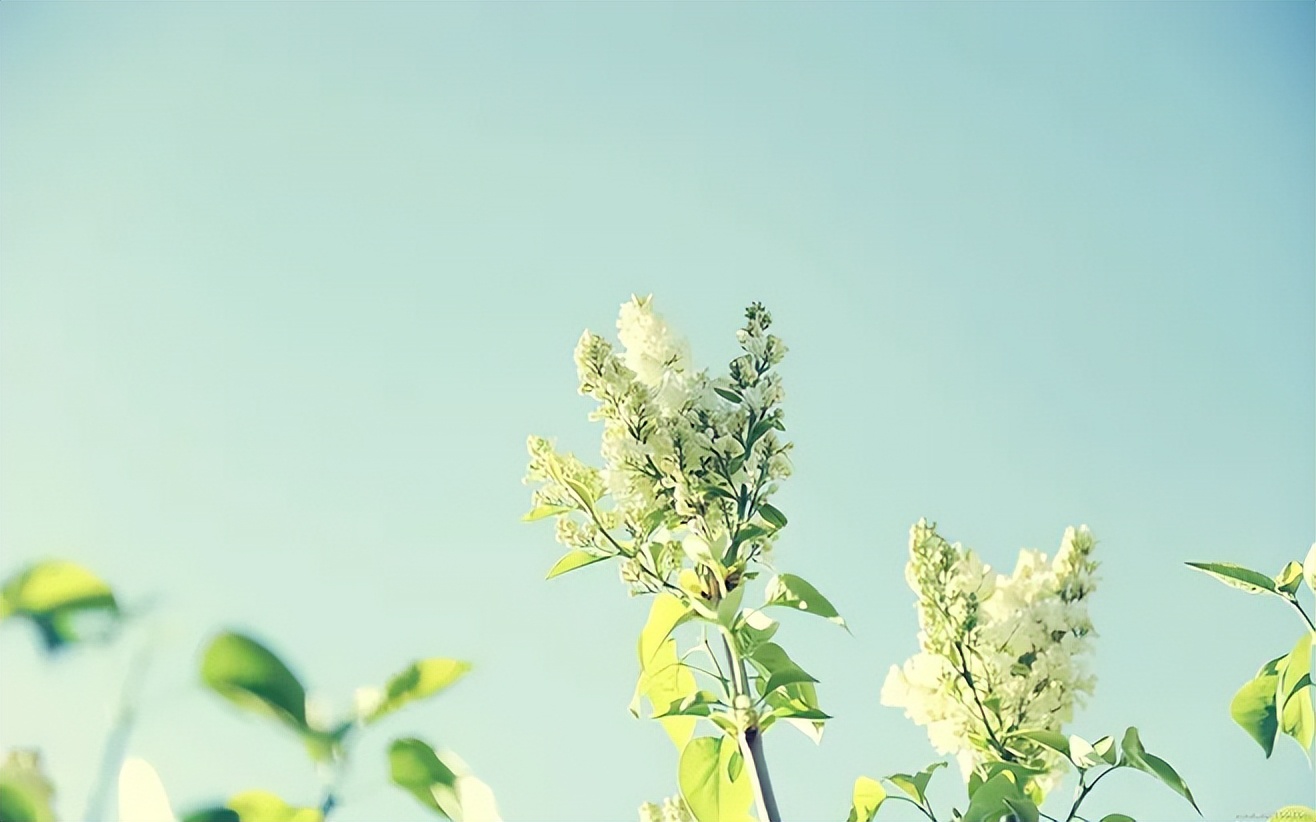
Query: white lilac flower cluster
[
  {"x": 999, "y": 654},
  {"x": 689, "y": 461},
  {"x": 673, "y": 809}
]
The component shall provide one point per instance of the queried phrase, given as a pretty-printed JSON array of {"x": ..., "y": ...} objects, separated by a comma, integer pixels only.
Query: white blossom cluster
[
  {"x": 999, "y": 654},
  {"x": 673, "y": 809},
  {"x": 688, "y": 460}
]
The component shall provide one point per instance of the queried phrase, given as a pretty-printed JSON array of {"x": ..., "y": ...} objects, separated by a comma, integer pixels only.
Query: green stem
[
  {"x": 1292, "y": 600},
  {"x": 116, "y": 744},
  {"x": 1084, "y": 791},
  {"x": 751, "y": 741}
]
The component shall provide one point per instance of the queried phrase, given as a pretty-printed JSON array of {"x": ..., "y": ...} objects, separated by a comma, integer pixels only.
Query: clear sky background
[{"x": 284, "y": 287}]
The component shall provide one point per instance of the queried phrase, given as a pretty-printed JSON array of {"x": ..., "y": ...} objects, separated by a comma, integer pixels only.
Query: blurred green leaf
[
  {"x": 248, "y": 674},
  {"x": 572, "y": 560},
  {"x": 221, "y": 814},
  {"x": 25, "y": 791},
  {"x": 56, "y": 595},
  {"x": 865, "y": 800},
  {"x": 1236, "y": 576},
  {"x": 790, "y": 591},
  {"x": 1253, "y": 707},
  {"x": 419, "y": 680},
  {"x": 415, "y": 767},
  {"x": 263, "y": 806},
  {"x": 1137, "y": 756}
]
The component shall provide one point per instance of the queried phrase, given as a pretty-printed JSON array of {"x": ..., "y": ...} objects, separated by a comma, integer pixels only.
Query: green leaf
[
  {"x": 25, "y": 790},
  {"x": 1309, "y": 568},
  {"x": 866, "y": 799},
  {"x": 735, "y": 765},
  {"x": 777, "y": 667},
  {"x": 699, "y": 703},
  {"x": 1236, "y": 576},
  {"x": 665, "y": 681},
  {"x": 263, "y": 806},
  {"x": 55, "y": 595},
  {"x": 1296, "y": 716},
  {"x": 665, "y": 614},
  {"x": 729, "y": 607},
  {"x": 773, "y": 515},
  {"x": 915, "y": 785},
  {"x": 248, "y": 674},
  {"x": 1057, "y": 742},
  {"x": 416, "y": 768},
  {"x": 998, "y": 798},
  {"x": 1137, "y": 756},
  {"x": 219, "y": 814},
  {"x": 1117, "y": 817},
  {"x": 790, "y": 591},
  {"x": 1289, "y": 578},
  {"x": 543, "y": 511},
  {"x": 1105, "y": 748},
  {"x": 419, "y": 680},
  {"x": 705, "y": 784},
  {"x": 1253, "y": 707},
  {"x": 573, "y": 560},
  {"x": 729, "y": 396},
  {"x": 1291, "y": 813}
]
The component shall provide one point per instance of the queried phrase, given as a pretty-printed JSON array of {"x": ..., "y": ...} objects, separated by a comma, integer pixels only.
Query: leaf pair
[{"x": 1279, "y": 697}]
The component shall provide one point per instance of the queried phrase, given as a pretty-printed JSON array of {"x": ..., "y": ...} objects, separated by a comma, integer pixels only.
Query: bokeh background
[{"x": 284, "y": 287}]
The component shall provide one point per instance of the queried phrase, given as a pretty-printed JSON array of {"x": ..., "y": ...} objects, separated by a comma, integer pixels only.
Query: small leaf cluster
[
  {"x": 1281, "y": 697},
  {"x": 1002, "y": 791}
]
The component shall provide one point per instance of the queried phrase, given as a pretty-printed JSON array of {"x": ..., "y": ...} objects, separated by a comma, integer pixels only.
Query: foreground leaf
[
  {"x": 866, "y": 799},
  {"x": 55, "y": 595},
  {"x": 263, "y": 806},
  {"x": 249, "y": 675},
  {"x": 25, "y": 790},
  {"x": 420, "y": 680},
  {"x": 705, "y": 781},
  {"x": 1295, "y": 695},
  {"x": 915, "y": 785},
  {"x": 1000, "y": 798},
  {"x": 415, "y": 767}
]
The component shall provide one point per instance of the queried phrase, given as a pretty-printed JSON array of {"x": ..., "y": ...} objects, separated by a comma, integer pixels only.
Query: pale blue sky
[{"x": 284, "y": 287}]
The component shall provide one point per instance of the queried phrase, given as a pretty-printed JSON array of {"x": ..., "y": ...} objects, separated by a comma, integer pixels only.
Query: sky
[{"x": 284, "y": 288}]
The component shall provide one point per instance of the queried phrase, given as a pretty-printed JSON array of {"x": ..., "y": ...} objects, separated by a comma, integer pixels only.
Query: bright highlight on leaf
[
  {"x": 58, "y": 597},
  {"x": 142, "y": 796},
  {"x": 420, "y": 680},
  {"x": 866, "y": 798}
]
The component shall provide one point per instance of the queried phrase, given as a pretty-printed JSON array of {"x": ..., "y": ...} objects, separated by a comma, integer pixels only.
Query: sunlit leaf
[
  {"x": 1000, "y": 798},
  {"x": 777, "y": 667},
  {"x": 866, "y": 798},
  {"x": 25, "y": 790},
  {"x": 706, "y": 785},
  {"x": 1289, "y": 578},
  {"x": 542, "y": 511},
  {"x": 248, "y": 674},
  {"x": 418, "y": 680},
  {"x": 58, "y": 597},
  {"x": 1296, "y": 717},
  {"x": 263, "y": 806},
  {"x": 572, "y": 560},
  {"x": 773, "y": 515},
  {"x": 790, "y": 591}
]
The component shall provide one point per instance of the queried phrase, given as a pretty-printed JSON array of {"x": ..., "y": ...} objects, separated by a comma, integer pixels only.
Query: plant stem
[
  {"x": 1084, "y": 790},
  {"x": 1292, "y": 600},
  {"x": 751, "y": 741},
  {"x": 116, "y": 743}
]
